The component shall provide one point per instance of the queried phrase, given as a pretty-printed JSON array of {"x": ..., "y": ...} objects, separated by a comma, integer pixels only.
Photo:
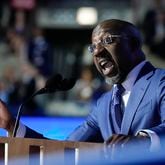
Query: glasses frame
[{"x": 103, "y": 42}]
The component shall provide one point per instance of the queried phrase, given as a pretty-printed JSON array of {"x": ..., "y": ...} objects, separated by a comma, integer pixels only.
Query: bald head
[
  {"x": 116, "y": 47},
  {"x": 114, "y": 26}
]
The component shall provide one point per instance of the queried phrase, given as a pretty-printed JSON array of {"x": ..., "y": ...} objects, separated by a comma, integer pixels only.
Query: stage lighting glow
[{"x": 87, "y": 16}]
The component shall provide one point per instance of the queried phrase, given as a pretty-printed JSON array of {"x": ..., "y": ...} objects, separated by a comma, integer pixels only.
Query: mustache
[{"x": 105, "y": 53}]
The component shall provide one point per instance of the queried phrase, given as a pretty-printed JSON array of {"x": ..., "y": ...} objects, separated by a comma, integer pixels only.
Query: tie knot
[{"x": 119, "y": 89}]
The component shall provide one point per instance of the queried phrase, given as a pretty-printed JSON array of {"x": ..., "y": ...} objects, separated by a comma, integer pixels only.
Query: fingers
[
  {"x": 114, "y": 145},
  {"x": 117, "y": 139},
  {"x": 6, "y": 120},
  {"x": 119, "y": 145},
  {"x": 125, "y": 142},
  {"x": 112, "y": 139}
]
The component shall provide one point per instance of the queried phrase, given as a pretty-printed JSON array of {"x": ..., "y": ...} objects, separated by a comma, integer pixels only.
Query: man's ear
[{"x": 135, "y": 43}]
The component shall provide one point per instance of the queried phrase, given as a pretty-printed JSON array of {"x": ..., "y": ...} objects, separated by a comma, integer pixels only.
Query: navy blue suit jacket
[{"x": 145, "y": 110}]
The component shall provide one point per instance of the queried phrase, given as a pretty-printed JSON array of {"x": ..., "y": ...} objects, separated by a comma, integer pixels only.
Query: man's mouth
[{"x": 106, "y": 66}]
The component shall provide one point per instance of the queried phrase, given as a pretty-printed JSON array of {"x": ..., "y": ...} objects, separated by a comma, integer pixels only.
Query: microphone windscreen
[
  {"x": 68, "y": 83},
  {"x": 53, "y": 81}
]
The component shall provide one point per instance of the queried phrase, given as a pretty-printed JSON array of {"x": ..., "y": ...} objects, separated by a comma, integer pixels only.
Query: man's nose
[{"x": 98, "y": 50}]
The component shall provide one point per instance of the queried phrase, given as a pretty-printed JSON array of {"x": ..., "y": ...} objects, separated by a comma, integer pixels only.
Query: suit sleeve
[
  {"x": 89, "y": 130},
  {"x": 160, "y": 129}
]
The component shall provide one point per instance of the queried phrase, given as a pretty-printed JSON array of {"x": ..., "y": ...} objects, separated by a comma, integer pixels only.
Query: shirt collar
[{"x": 131, "y": 77}]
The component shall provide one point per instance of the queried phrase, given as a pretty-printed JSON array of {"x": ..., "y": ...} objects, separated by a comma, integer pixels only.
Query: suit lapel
[{"x": 137, "y": 93}]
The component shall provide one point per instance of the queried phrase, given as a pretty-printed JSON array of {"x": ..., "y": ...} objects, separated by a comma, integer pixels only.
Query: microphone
[
  {"x": 53, "y": 84},
  {"x": 50, "y": 86},
  {"x": 57, "y": 83}
]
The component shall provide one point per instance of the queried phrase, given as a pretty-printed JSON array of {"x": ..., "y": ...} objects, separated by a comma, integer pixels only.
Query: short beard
[{"x": 119, "y": 78}]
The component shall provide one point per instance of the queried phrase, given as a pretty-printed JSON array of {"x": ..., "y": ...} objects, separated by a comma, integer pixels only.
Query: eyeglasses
[{"x": 103, "y": 42}]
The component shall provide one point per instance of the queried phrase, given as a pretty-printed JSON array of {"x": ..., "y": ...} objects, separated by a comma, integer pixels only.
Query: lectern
[{"x": 26, "y": 151}]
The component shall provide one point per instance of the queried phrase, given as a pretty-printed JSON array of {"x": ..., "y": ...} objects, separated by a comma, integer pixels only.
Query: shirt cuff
[{"x": 155, "y": 141}]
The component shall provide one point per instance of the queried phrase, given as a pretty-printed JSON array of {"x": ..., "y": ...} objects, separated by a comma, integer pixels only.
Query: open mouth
[{"x": 106, "y": 66}]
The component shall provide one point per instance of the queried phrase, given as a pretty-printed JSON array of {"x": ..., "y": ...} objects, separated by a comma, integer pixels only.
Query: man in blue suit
[{"x": 117, "y": 54}]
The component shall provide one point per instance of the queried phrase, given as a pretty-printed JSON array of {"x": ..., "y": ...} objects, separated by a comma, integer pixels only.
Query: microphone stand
[
  {"x": 50, "y": 87},
  {"x": 19, "y": 113}
]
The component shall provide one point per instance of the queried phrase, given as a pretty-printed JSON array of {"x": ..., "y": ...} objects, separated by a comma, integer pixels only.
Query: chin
[
  {"x": 119, "y": 78},
  {"x": 112, "y": 80}
]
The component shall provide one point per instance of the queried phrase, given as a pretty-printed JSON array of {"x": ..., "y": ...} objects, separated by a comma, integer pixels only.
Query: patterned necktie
[{"x": 116, "y": 105}]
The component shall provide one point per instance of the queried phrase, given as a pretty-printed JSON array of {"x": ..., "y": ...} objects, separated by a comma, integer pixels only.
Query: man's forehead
[
  {"x": 101, "y": 32},
  {"x": 98, "y": 35},
  {"x": 109, "y": 29}
]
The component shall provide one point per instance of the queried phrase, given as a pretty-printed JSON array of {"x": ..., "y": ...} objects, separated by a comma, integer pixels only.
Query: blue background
[{"x": 51, "y": 127}]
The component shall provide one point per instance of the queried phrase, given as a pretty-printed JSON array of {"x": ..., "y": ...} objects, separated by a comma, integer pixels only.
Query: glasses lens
[
  {"x": 91, "y": 48},
  {"x": 107, "y": 40}
]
